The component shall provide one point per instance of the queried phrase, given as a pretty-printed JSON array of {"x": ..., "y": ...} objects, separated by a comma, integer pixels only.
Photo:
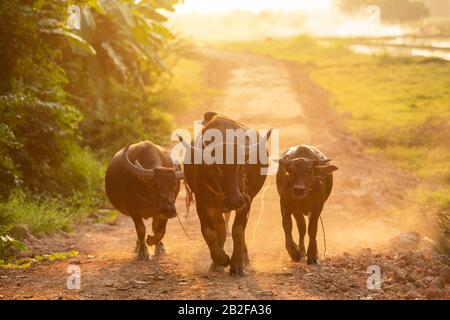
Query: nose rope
[
  {"x": 178, "y": 217},
  {"x": 324, "y": 239},
  {"x": 261, "y": 212},
  {"x": 182, "y": 227}
]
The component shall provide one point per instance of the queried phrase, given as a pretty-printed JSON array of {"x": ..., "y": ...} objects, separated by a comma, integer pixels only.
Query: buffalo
[
  {"x": 223, "y": 187},
  {"x": 143, "y": 182},
  {"x": 304, "y": 183}
]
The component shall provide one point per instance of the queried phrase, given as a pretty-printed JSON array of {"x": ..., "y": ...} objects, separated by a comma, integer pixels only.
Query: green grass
[
  {"x": 41, "y": 215},
  {"x": 399, "y": 107},
  {"x": 28, "y": 262},
  {"x": 80, "y": 190}
]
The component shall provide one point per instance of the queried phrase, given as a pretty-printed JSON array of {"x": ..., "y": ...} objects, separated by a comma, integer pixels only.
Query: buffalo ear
[{"x": 324, "y": 171}]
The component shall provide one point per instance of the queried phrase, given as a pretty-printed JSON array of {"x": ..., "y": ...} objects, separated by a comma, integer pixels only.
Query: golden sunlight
[{"x": 218, "y": 6}]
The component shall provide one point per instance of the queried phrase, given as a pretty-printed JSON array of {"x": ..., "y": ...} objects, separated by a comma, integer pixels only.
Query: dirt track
[{"x": 368, "y": 205}]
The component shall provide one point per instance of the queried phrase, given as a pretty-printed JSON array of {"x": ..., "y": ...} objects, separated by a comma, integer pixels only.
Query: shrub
[{"x": 8, "y": 244}]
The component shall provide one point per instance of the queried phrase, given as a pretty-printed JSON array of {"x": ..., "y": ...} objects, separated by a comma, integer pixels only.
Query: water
[{"x": 405, "y": 46}]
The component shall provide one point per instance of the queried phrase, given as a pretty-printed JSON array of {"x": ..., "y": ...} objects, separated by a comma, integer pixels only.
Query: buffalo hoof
[
  {"x": 294, "y": 253},
  {"x": 143, "y": 256},
  {"x": 237, "y": 271},
  {"x": 246, "y": 260},
  {"x": 160, "y": 249},
  {"x": 302, "y": 252},
  {"x": 313, "y": 261},
  {"x": 152, "y": 240},
  {"x": 216, "y": 268},
  {"x": 221, "y": 259}
]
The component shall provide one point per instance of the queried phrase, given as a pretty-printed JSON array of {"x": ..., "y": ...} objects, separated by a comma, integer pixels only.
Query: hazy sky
[{"x": 219, "y": 6}]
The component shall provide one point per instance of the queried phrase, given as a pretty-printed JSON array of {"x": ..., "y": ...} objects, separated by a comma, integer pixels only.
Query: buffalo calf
[{"x": 304, "y": 183}]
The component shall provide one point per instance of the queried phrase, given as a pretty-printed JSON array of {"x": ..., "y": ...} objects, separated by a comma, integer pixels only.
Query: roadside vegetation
[
  {"x": 399, "y": 107},
  {"x": 70, "y": 98}
]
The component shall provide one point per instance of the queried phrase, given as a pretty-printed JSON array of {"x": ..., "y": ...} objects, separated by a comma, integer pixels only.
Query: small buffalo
[
  {"x": 304, "y": 183},
  {"x": 142, "y": 182}
]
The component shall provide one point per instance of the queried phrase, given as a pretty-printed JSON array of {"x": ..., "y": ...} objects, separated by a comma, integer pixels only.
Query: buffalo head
[
  {"x": 303, "y": 172},
  {"x": 229, "y": 176},
  {"x": 161, "y": 185}
]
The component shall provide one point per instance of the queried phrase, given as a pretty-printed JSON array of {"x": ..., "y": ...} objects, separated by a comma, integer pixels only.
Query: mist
[{"x": 245, "y": 25}]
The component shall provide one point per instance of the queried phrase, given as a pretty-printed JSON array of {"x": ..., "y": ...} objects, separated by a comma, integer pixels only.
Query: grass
[
  {"x": 28, "y": 262},
  {"x": 80, "y": 178},
  {"x": 399, "y": 107},
  {"x": 41, "y": 215}
]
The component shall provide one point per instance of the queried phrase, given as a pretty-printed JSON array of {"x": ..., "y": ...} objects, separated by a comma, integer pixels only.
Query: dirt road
[{"x": 368, "y": 206}]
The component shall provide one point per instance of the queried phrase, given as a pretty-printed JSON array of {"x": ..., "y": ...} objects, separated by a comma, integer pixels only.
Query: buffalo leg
[
  {"x": 227, "y": 222},
  {"x": 238, "y": 233},
  {"x": 244, "y": 247},
  {"x": 291, "y": 247},
  {"x": 159, "y": 230},
  {"x": 220, "y": 228},
  {"x": 313, "y": 257},
  {"x": 211, "y": 237},
  {"x": 142, "y": 247},
  {"x": 301, "y": 226}
]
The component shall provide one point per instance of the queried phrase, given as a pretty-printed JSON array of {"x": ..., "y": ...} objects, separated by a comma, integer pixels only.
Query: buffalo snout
[
  {"x": 168, "y": 210},
  {"x": 299, "y": 191},
  {"x": 234, "y": 203}
]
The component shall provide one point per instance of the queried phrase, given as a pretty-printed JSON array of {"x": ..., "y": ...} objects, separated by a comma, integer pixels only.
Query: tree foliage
[{"x": 61, "y": 89}]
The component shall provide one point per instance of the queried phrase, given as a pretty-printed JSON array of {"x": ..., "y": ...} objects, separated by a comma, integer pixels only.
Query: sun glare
[{"x": 220, "y": 6}]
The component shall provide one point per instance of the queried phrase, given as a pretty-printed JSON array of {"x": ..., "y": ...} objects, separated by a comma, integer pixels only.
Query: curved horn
[
  {"x": 184, "y": 142},
  {"x": 269, "y": 133},
  {"x": 187, "y": 145},
  {"x": 322, "y": 161},
  {"x": 138, "y": 164},
  {"x": 280, "y": 161},
  {"x": 283, "y": 161},
  {"x": 261, "y": 143},
  {"x": 290, "y": 161},
  {"x": 136, "y": 170}
]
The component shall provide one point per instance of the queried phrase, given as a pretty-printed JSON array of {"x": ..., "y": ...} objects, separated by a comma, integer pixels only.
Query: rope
[
  {"x": 178, "y": 216},
  {"x": 182, "y": 227},
  {"x": 261, "y": 212}
]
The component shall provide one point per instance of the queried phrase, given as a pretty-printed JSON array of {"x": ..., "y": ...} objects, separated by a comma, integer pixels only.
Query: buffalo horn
[{"x": 136, "y": 170}]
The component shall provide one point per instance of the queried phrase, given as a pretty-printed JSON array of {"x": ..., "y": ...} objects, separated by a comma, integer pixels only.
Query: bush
[
  {"x": 38, "y": 137},
  {"x": 70, "y": 98},
  {"x": 8, "y": 244},
  {"x": 36, "y": 123},
  {"x": 41, "y": 215},
  {"x": 80, "y": 174}
]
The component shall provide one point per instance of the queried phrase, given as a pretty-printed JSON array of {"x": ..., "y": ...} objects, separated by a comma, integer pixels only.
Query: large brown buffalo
[
  {"x": 223, "y": 187},
  {"x": 142, "y": 182},
  {"x": 304, "y": 183}
]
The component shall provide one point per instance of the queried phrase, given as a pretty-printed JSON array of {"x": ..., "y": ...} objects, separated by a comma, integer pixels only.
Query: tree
[
  {"x": 391, "y": 10},
  {"x": 55, "y": 81}
]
